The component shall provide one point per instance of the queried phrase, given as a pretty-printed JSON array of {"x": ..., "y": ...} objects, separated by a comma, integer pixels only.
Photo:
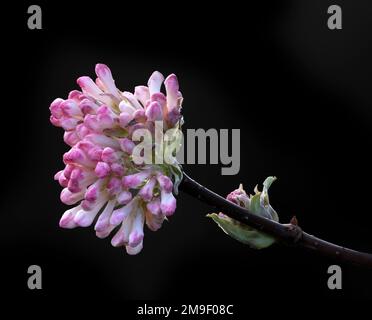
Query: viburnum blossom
[{"x": 100, "y": 177}]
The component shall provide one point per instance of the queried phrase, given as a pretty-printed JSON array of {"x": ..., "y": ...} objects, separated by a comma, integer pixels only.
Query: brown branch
[{"x": 289, "y": 233}]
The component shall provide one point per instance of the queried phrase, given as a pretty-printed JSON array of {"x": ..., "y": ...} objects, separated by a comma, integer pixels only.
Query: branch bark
[{"x": 288, "y": 233}]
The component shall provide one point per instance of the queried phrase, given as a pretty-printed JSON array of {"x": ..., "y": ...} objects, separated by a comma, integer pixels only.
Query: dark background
[{"x": 299, "y": 92}]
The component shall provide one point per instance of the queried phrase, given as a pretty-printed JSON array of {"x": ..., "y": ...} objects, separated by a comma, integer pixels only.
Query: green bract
[{"x": 257, "y": 204}]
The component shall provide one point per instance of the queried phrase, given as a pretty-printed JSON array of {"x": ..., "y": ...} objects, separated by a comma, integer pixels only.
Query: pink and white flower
[{"x": 100, "y": 178}]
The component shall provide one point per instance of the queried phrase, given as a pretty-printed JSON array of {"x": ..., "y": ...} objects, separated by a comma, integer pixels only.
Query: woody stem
[{"x": 287, "y": 233}]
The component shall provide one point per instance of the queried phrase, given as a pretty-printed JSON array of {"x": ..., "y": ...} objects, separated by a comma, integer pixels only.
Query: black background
[{"x": 299, "y": 92}]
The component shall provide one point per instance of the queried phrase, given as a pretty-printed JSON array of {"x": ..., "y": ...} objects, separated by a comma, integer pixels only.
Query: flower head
[{"x": 100, "y": 177}]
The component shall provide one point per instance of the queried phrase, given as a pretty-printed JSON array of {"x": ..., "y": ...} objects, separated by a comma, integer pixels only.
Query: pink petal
[
  {"x": 104, "y": 74},
  {"x": 134, "y": 250},
  {"x": 155, "y": 82},
  {"x": 142, "y": 94},
  {"x": 171, "y": 87},
  {"x": 136, "y": 235},
  {"x": 147, "y": 190},
  {"x": 67, "y": 219},
  {"x": 167, "y": 203},
  {"x": 124, "y": 197},
  {"x": 122, "y": 213}
]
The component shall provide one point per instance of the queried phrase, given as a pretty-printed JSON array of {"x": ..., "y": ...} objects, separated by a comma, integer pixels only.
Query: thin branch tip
[{"x": 291, "y": 233}]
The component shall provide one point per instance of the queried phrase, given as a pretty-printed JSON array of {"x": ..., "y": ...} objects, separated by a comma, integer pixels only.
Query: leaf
[
  {"x": 178, "y": 176},
  {"x": 245, "y": 234},
  {"x": 268, "y": 182},
  {"x": 117, "y": 132},
  {"x": 257, "y": 204},
  {"x": 265, "y": 195},
  {"x": 257, "y": 209},
  {"x": 273, "y": 213}
]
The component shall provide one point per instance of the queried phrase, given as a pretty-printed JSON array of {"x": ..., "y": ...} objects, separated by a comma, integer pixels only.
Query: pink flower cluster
[{"x": 100, "y": 177}]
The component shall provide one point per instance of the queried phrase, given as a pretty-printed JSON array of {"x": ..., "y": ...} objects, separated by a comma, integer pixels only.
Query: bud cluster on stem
[{"x": 101, "y": 178}]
